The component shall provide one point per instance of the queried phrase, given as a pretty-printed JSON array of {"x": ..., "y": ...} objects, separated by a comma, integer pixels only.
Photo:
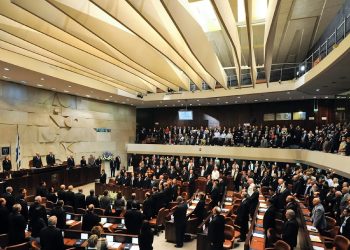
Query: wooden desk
[{"x": 53, "y": 176}]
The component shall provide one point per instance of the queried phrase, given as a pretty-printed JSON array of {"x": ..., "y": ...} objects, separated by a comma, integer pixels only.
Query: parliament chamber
[{"x": 164, "y": 124}]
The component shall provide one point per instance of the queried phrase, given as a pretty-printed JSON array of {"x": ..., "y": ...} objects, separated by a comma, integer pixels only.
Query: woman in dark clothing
[{"x": 146, "y": 236}]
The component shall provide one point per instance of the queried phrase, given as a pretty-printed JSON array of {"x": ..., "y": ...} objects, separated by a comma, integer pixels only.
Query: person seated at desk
[
  {"x": 6, "y": 164},
  {"x": 37, "y": 163},
  {"x": 83, "y": 162},
  {"x": 103, "y": 177},
  {"x": 146, "y": 236},
  {"x": 90, "y": 219},
  {"x": 50, "y": 159},
  {"x": 216, "y": 230},
  {"x": 17, "y": 226},
  {"x": 51, "y": 237},
  {"x": 92, "y": 242},
  {"x": 290, "y": 229},
  {"x": 180, "y": 221},
  {"x": 101, "y": 243},
  {"x": 70, "y": 162}
]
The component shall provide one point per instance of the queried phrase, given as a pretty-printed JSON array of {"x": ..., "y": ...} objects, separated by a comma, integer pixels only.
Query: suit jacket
[
  {"x": 70, "y": 162},
  {"x": 83, "y": 163},
  {"x": 318, "y": 217},
  {"x": 60, "y": 213},
  {"x": 112, "y": 164},
  {"x": 345, "y": 228},
  {"x": 253, "y": 201},
  {"x": 269, "y": 218},
  {"x": 10, "y": 200},
  {"x": 17, "y": 226},
  {"x": 215, "y": 196},
  {"x": 200, "y": 210},
  {"x": 243, "y": 213},
  {"x": 42, "y": 191},
  {"x": 92, "y": 200},
  {"x": 89, "y": 221},
  {"x": 37, "y": 211},
  {"x": 133, "y": 221},
  {"x": 105, "y": 203},
  {"x": 147, "y": 208},
  {"x": 290, "y": 232},
  {"x": 216, "y": 230},
  {"x": 61, "y": 195},
  {"x": 103, "y": 178},
  {"x": 4, "y": 220},
  {"x": 51, "y": 239},
  {"x": 70, "y": 197},
  {"x": 6, "y": 165},
  {"x": 79, "y": 200},
  {"x": 180, "y": 215},
  {"x": 50, "y": 160},
  {"x": 37, "y": 163}
]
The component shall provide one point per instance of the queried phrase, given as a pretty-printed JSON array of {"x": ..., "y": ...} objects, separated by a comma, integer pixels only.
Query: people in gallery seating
[
  {"x": 50, "y": 159},
  {"x": 6, "y": 164},
  {"x": 333, "y": 138},
  {"x": 37, "y": 163}
]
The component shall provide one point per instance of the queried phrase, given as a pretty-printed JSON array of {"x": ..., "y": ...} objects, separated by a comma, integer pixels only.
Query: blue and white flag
[{"x": 18, "y": 152}]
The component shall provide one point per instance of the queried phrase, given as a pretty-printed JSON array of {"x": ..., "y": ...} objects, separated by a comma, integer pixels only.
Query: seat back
[
  {"x": 35, "y": 245},
  {"x": 331, "y": 222},
  {"x": 161, "y": 216},
  {"x": 69, "y": 209},
  {"x": 271, "y": 237},
  {"x": 81, "y": 211},
  {"x": 281, "y": 245},
  {"x": 49, "y": 204},
  {"x": 76, "y": 226},
  {"x": 229, "y": 221},
  {"x": 22, "y": 246},
  {"x": 99, "y": 211},
  {"x": 4, "y": 240},
  {"x": 229, "y": 232},
  {"x": 341, "y": 243}
]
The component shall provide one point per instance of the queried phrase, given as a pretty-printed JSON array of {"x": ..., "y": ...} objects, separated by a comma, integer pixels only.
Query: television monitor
[
  {"x": 84, "y": 236},
  {"x": 185, "y": 115},
  {"x": 135, "y": 241},
  {"x": 103, "y": 221},
  {"x": 68, "y": 216},
  {"x": 122, "y": 221}
]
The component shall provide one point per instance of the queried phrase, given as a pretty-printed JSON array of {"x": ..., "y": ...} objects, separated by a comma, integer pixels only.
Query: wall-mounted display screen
[
  {"x": 269, "y": 117},
  {"x": 283, "y": 116},
  {"x": 299, "y": 115},
  {"x": 186, "y": 115}
]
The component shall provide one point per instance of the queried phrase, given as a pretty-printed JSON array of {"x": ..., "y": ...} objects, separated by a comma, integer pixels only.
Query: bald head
[{"x": 52, "y": 221}]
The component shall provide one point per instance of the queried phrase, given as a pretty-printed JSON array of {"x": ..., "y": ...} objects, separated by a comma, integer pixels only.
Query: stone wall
[{"x": 61, "y": 123}]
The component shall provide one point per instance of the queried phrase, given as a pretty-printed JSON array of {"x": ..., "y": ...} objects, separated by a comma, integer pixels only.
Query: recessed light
[
  {"x": 197, "y": 100},
  {"x": 66, "y": 91},
  {"x": 87, "y": 95},
  {"x": 5, "y": 77},
  {"x": 7, "y": 69},
  {"x": 110, "y": 96},
  {"x": 123, "y": 102},
  {"x": 23, "y": 82},
  {"x": 190, "y": 104},
  {"x": 42, "y": 79},
  {"x": 255, "y": 100},
  {"x": 53, "y": 88},
  {"x": 288, "y": 93},
  {"x": 326, "y": 97},
  {"x": 178, "y": 100},
  {"x": 238, "y": 97},
  {"x": 106, "y": 99},
  {"x": 39, "y": 85},
  {"x": 317, "y": 90},
  {"x": 226, "y": 102}
]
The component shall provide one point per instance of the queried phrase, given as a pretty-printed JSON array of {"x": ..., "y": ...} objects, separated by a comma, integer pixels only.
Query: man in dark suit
[
  {"x": 290, "y": 229},
  {"x": 70, "y": 162},
  {"x": 92, "y": 199},
  {"x": 4, "y": 217},
  {"x": 253, "y": 201},
  {"x": 70, "y": 197},
  {"x": 132, "y": 202},
  {"x": 236, "y": 178},
  {"x": 60, "y": 214},
  {"x": 6, "y": 164},
  {"x": 42, "y": 190},
  {"x": 37, "y": 163},
  {"x": 37, "y": 211},
  {"x": 200, "y": 211},
  {"x": 117, "y": 162},
  {"x": 180, "y": 221},
  {"x": 17, "y": 226},
  {"x": 112, "y": 167},
  {"x": 103, "y": 177},
  {"x": 61, "y": 193},
  {"x": 133, "y": 220},
  {"x": 269, "y": 216},
  {"x": 79, "y": 199},
  {"x": 345, "y": 224},
  {"x": 216, "y": 230},
  {"x": 147, "y": 206},
  {"x": 10, "y": 198},
  {"x": 50, "y": 159},
  {"x": 83, "y": 162},
  {"x": 90, "y": 219},
  {"x": 21, "y": 200},
  {"x": 50, "y": 237},
  {"x": 243, "y": 216}
]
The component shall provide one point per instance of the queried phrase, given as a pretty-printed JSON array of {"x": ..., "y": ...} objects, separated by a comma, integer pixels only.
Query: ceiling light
[
  {"x": 255, "y": 100},
  {"x": 238, "y": 97},
  {"x": 123, "y": 102},
  {"x": 178, "y": 100},
  {"x": 66, "y": 91},
  {"x": 106, "y": 99},
  {"x": 326, "y": 97},
  {"x": 110, "y": 96},
  {"x": 53, "y": 88},
  {"x": 7, "y": 69},
  {"x": 42, "y": 79},
  {"x": 288, "y": 93},
  {"x": 226, "y": 102},
  {"x": 317, "y": 90},
  {"x": 302, "y": 68},
  {"x": 23, "y": 82},
  {"x": 5, "y": 77},
  {"x": 39, "y": 85},
  {"x": 87, "y": 95}
]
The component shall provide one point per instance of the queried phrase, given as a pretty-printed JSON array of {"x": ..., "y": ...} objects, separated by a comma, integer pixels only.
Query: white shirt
[
  {"x": 250, "y": 190},
  {"x": 215, "y": 175}
]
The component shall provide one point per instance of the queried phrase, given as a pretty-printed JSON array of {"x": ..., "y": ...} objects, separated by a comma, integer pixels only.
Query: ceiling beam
[
  {"x": 248, "y": 4},
  {"x": 228, "y": 22},
  {"x": 196, "y": 40},
  {"x": 269, "y": 36}
]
